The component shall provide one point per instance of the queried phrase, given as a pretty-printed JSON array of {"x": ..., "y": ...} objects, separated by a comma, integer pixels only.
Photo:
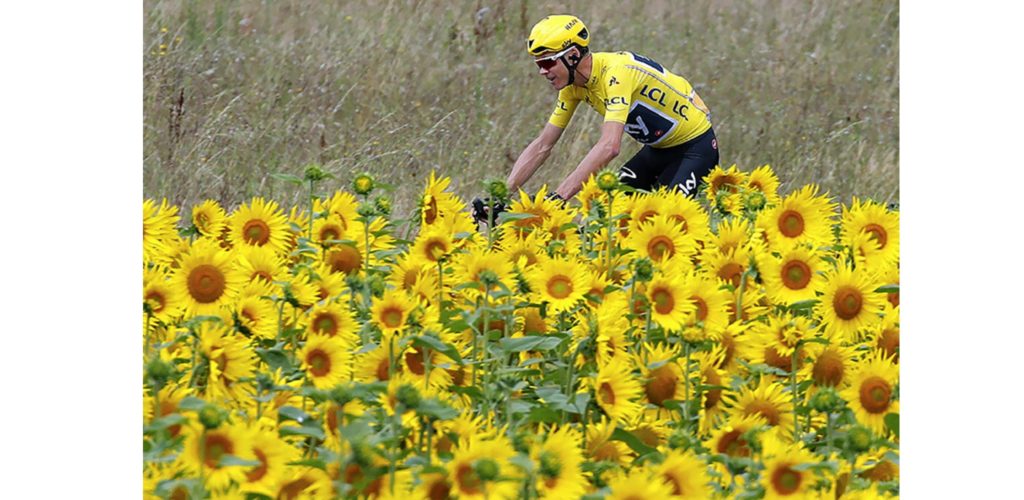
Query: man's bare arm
[
  {"x": 533, "y": 156},
  {"x": 606, "y": 149}
]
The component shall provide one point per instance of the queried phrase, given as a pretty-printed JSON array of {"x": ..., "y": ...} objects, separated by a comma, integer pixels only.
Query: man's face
[{"x": 551, "y": 67}]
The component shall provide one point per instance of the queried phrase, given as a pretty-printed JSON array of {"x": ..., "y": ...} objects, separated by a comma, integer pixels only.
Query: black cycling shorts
[{"x": 683, "y": 166}]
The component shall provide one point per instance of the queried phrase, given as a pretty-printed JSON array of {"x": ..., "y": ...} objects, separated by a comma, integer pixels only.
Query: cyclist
[{"x": 636, "y": 95}]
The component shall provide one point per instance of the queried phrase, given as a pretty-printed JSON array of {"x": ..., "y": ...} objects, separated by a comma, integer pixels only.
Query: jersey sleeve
[
  {"x": 618, "y": 85},
  {"x": 564, "y": 108}
]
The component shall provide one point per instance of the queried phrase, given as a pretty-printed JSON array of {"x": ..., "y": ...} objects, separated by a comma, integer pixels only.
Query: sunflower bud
[
  {"x": 523, "y": 441},
  {"x": 408, "y": 396},
  {"x": 486, "y": 469},
  {"x": 383, "y": 205},
  {"x": 826, "y": 400},
  {"x": 314, "y": 173},
  {"x": 366, "y": 210},
  {"x": 497, "y": 190},
  {"x": 644, "y": 269},
  {"x": 363, "y": 184},
  {"x": 340, "y": 395},
  {"x": 859, "y": 438},
  {"x": 210, "y": 416},
  {"x": 549, "y": 464},
  {"x": 362, "y": 453},
  {"x": 607, "y": 181},
  {"x": 754, "y": 201},
  {"x": 159, "y": 371}
]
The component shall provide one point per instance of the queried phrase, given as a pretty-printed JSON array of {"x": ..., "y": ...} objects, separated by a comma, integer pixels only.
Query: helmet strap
[{"x": 571, "y": 68}]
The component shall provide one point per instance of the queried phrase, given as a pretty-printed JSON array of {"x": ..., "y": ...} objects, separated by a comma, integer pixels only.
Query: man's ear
[{"x": 574, "y": 56}]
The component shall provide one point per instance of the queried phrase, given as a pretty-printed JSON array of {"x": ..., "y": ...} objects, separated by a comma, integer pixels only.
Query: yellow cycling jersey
[{"x": 658, "y": 108}]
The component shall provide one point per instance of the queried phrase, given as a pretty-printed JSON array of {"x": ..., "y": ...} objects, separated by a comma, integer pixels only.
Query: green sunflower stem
[
  {"x": 686, "y": 385},
  {"x": 310, "y": 205},
  {"x": 611, "y": 235},
  {"x": 792, "y": 381}
]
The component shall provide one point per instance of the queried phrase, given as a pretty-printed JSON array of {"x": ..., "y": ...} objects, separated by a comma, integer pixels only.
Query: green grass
[{"x": 247, "y": 88}]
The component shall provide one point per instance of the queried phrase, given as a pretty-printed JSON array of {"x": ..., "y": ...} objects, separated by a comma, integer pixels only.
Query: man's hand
[{"x": 485, "y": 211}]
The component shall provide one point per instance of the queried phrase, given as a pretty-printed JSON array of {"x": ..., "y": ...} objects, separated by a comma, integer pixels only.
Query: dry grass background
[{"x": 236, "y": 90}]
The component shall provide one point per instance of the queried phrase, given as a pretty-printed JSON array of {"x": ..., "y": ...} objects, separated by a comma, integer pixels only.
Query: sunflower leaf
[
  {"x": 311, "y": 462},
  {"x": 888, "y": 289},
  {"x": 314, "y": 432},
  {"x": 293, "y": 413},
  {"x": 228, "y": 460},
  {"x": 892, "y": 421},
  {"x": 191, "y": 403},
  {"x": 164, "y": 422},
  {"x": 632, "y": 441},
  {"x": 803, "y": 305},
  {"x": 529, "y": 343},
  {"x": 541, "y": 414},
  {"x": 287, "y": 178},
  {"x": 276, "y": 359},
  {"x": 513, "y": 216},
  {"x": 429, "y": 342}
]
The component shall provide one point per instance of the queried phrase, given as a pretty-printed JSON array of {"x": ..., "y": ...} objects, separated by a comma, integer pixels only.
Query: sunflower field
[{"x": 740, "y": 344}]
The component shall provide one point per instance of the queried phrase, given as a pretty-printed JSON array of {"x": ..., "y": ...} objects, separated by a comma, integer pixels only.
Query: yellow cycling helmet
[{"x": 557, "y": 33}]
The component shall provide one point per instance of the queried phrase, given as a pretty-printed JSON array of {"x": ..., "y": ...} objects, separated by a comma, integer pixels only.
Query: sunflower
[
  {"x": 643, "y": 207},
  {"x": 204, "y": 449},
  {"x": 342, "y": 205},
  {"x": 160, "y": 298},
  {"x": 793, "y": 276},
  {"x": 713, "y": 397},
  {"x": 560, "y": 282},
  {"x": 886, "y": 336},
  {"x": 590, "y": 195},
  {"x": 881, "y": 225},
  {"x": 346, "y": 257},
  {"x": 559, "y": 460},
  {"x": 261, "y": 263},
  {"x": 331, "y": 230},
  {"x": 617, "y": 391},
  {"x": 661, "y": 240},
  {"x": 600, "y": 447},
  {"x": 685, "y": 474},
  {"x": 273, "y": 455},
  {"x": 871, "y": 391},
  {"x": 727, "y": 267},
  {"x": 480, "y": 468},
  {"x": 775, "y": 341},
  {"x": 326, "y": 360},
  {"x": 666, "y": 380},
  {"x": 167, "y": 402},
  {"x": 207, "y": 278},
  {"x": 255, "y": 316},
  {"x": 802, "y": 217},
  {"x": 711, "y": 305},
  {"x": 849, "y": 302},
  {"x": 785, "y": 473},
  {"x": 723, "y": 189},
  {"x": 769, "y": 400},
  {"x": 876, "y": 467},
  {"x": 230, "y": 359},
  {"x": 375, "y": 365},
  {"x": 670, "y": 305},
  {"x": 830, "y": 365},
  {"x": 436, "y": 203},
  {"x": 333, "y": 319},
  {"x": 541, "y": 209},
  {"x": 685, "y": 211},
  {"x": 414, "y": 364},
  {"x": 159, "y": 224},
  {"x": 729, "y": 340},
  {"x": 638, "y": 484},
  {"x": 301, "y": 482},
  {"x": 731, "y": 234},
  {"x": 523, "y": 250},
  {"x": 259, "y": 223},
  {"x": 330, "y": 284},
  {"x": 487, "y": 269},
  {"x": 764, "y": 180},
  {"x": 209, "y": 218},
  {"x": 432, "y": 245},
  {"x": 391, "y": 312},
  {"x": 731, "y": 438}
]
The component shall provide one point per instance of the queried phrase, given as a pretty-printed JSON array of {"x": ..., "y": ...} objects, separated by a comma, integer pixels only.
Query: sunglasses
[{"x": 550, "y": 61}]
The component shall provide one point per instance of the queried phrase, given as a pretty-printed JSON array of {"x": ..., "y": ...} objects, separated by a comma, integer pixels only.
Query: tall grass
[{"x": 236, "y": 90}]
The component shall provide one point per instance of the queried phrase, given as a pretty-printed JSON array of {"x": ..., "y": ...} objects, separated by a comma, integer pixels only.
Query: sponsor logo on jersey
[
  {"x": 626, "y": 173},
  {"x": 654, "y": 94},
  {"x": 613, "y": 81},
  {"x": 615, "y": 100}
]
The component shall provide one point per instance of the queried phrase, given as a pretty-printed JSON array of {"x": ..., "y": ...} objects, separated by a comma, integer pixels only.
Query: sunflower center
[
  {"x": 847, "y": 303},
  {"x": 828, "y": 369},
  {"x": 606, "y": 452},
  {"x": 206, "y": 283},
  {"x": 319, "y": 363},
  {"x": 345, "y": 258},
  {"x": 662, "y": 385},
  {"x": 731, "y": 272},
  {"x": 325, "y": 324},
  {"x": 256, "y": 232},
  {"x": 874, "y": 395},
  {"x": 702, "y": 307},
  {"x": 606, "y": 393},
  {"x": 889, "y": 340},
  {"x": 884, "y": 471},
  {"x": 414, "y": 360},
  {"x": 791, "y": 223},
  {"x": 774, "y": 359},
  {"x": 766, "y": 410},
  {"x": 262, "y": 274},
  {"x": 435, "y": 249},
  {"x": 430, "y": 211},
  {"x": 260, "y": 470},
  {"x": 391, "y": 317},
  {"x": 732, "y": 443},
  {"x": 660, "y": 248},
  {"x": 714, "y": 396},
  {"x": 878, "y": 233},
  {"x": 214, "y": 447},
  {"x": 679, "y": 219},
  {"x": 329, "y": 233},
  {"x": 468, "y": 481},
  {"x": 677, "y": 487},
  {"x": 786, "y": 480},
  {"x": 664, "y": 303},
  {"x": 382, "y": 370},
  {"x": 796, "y": 274},
  {"x": 439, "y": 491},
  {"x": 156, "y": 301},
  {"x": 559, "y": 286}
]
